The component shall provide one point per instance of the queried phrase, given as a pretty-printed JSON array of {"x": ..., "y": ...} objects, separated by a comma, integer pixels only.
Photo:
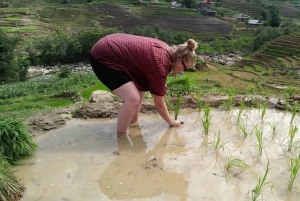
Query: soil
[
  {"x": 121, "y": 17},
  {"x": 56, "y": 118}
]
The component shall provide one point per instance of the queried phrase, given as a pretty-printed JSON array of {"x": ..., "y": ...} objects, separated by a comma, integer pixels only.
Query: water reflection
[{"x": 144, "y": 176}]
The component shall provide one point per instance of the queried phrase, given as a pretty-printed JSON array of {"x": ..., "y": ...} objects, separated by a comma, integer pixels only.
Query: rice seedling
[
  {"x": 15, "y": 141},
  {"x": 177, "y": 107},
  {"x": 294, "y": 167},
  {"x": 206, "y": 118},
  {"x": 242, "y": 107},
  {"x": 294, "y": 112},
  {"x": 199, "y": 102},
  {"x": 292, "y": 132},
  {"x": 258, "y": 134},
  {"x": 10, "y": 188},
  {"x": 229, "y": 103},
  {"x": 264, "y": 108},
  {"x": 261, "y": 185},
  {"x": 243, "y": 127},
  {"x": 274, "y": 125},
  {"x": 217, "y": 143},
  {"x": 168, "y": 103},
  {"x": 231, "y": 163}
]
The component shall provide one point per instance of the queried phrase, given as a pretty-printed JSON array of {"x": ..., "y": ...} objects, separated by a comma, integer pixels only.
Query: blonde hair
[{"x": 185, "y": 51}]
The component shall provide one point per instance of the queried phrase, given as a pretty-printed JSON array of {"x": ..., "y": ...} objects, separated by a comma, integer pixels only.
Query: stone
[{"x": 101, "y": 96}]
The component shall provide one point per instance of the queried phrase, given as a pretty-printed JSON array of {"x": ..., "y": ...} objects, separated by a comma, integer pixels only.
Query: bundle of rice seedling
[
  {"x": 10, "y": 189},
  {"x": 15, "y": 141}
]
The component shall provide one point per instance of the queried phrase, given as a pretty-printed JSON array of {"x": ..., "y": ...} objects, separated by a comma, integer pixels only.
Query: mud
[
  {"x": 57, "y": 118},
  {"x": 85, "y": 160}
]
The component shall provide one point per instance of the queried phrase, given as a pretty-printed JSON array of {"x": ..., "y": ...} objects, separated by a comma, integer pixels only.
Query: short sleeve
[{"x": 157, "y": 84}]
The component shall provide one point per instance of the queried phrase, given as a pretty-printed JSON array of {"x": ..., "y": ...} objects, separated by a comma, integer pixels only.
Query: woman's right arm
[{"x": 162, "y": 109}]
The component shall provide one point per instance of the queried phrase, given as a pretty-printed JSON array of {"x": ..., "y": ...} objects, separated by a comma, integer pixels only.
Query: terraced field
[
  {"x": 174, "y": 19},
  {"x": 280, "y": 56},
  {"x": 243, "y": 7}
]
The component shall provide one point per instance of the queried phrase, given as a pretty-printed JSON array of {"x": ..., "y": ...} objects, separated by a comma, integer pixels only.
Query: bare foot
[{"x": 119, "y": 134}]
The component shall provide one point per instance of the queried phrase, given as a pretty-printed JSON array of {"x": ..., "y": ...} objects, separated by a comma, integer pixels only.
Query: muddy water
[{"x": 85, "y": 161}]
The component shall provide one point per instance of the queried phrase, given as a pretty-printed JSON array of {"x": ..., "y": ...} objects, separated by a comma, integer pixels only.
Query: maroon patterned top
[{"x": 145, "y": 60}]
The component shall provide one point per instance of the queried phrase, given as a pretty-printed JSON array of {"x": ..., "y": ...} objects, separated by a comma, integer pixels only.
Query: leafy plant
[
  {"x": 243, "y": 127},
  {"x": 264, "y": 107},
  {"x": 177, "y": 107},
  {"x": 274, "y": 125},
  {"x": 242, "y": 106},
  {"x": 294, "y": 167},
  {"x": 231, "y": 163},
  {"x": 206, "y": 118},
  {"x": 217, "y": 143},
  {"x": 180, "y": 86},
  {"x": 261, "y": 185},
  {"x": 258, "y": 134},
  {"x": 10, "y": 189},
  {"x": 294, "y": 112},
  {"x": 292, "y": 132},
  {"x": 229, "y": 103},
  {"x": 15, "y": 141},
  {"x": 199, "y": 102}
]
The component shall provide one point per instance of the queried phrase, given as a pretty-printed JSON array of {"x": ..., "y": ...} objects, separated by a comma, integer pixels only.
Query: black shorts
[{"x": 111, "y": 78}]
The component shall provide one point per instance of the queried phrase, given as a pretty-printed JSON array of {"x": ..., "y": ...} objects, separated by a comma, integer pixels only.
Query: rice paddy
[{"x": 158, "y": 162}]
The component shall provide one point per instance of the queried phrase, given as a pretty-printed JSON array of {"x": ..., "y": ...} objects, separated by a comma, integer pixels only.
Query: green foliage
[
  {"x": 8, "y": 67},
  {"x": 15, "y": 141},
  {"x": 206, "y": 118},
  {"x": 180, "y": 86},
  {"x": 261, "y": 185},
  {"x": 189, "y": 3},
  {"x": 4, "y": 4},
  {"x": 177, "y": 106},
  {"x": 54, "y": 87},
  {"x": 64, "y": 72},
  {"x": 10, "y": 189},
  {"x": 265, "y": 35},
  {"x": 230, "y": 163},
  {"x": 218, "y": 3},
  {"x": 294, "y": 167},
  {"x": 166, "y": 35},
  {"x": 61, "y": 47}
]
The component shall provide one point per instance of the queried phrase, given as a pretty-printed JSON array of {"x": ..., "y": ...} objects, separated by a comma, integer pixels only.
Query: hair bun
[{"x": 192, "y": 44}]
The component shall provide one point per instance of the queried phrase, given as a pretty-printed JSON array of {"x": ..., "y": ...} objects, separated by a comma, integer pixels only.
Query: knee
[{"x": 134, "y": 101}]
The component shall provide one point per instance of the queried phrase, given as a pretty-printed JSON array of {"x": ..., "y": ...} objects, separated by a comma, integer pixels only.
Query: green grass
[
  {"x": 248, "y": 68},
  {"x": 86, "y": 94},
  {"x": 258, "y": 68},
  {"x": 58, "y": 103},
  {"x": 15, "y": 10}
]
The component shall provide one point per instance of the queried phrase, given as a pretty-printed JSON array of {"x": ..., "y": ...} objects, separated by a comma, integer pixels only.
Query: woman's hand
[{"x": 175, "y": 123}]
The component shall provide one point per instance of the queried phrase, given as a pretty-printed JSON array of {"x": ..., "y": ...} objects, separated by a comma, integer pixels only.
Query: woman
[{"x": 129, "y": 65}]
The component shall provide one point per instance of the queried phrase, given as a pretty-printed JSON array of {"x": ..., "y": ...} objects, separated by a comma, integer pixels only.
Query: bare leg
[
  {"x": 131, "y": 97},
  {"x": 136, "y": 115}
]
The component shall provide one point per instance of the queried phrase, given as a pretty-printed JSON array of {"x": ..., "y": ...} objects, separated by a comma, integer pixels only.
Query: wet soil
[
  {"x": 84, "y": 160},
  {"x": 54, "y": 119}
]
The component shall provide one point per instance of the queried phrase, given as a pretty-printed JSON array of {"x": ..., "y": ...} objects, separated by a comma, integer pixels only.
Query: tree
[
  {"x": 7, "y": 64},
  {"x": 219, "y": 3},
  {"x": 275, "y": 16},
  {"x": 271, "y": 15},
  {"x": 189, "y": 3},
  {"x": 13, "y": 67}
]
